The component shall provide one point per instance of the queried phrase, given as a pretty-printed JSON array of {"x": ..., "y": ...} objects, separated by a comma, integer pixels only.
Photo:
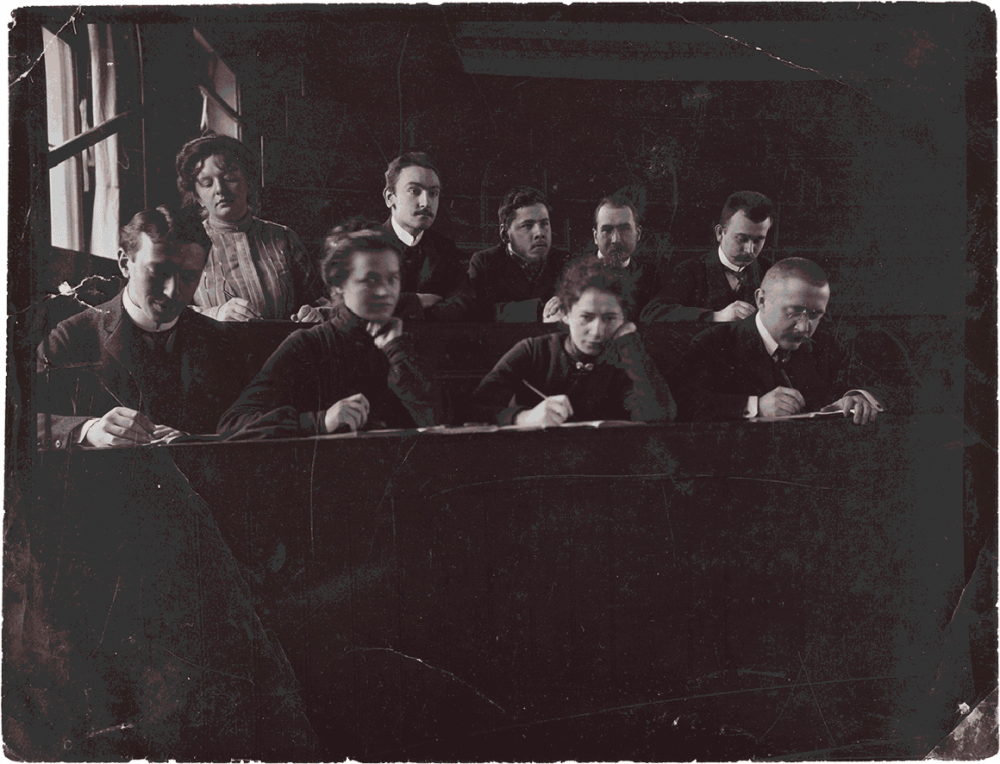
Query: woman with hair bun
[{"x": 256, "y": 269}]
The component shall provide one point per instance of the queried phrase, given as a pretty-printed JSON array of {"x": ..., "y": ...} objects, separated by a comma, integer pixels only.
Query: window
[
  {"x": 82, "y": 136},
  {"x": 220, "y": 94}
]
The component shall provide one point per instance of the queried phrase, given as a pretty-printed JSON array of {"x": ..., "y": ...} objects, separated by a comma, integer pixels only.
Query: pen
[
  {"x": 230, "y": 296},
  {"x": 785, "y": 379},
  {"x": 535, "y": 390}
]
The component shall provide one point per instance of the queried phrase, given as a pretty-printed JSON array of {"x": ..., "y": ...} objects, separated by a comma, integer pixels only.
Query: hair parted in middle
[
  {"x": 340, "y": 246},
  {"x": 193, "y": 154}
]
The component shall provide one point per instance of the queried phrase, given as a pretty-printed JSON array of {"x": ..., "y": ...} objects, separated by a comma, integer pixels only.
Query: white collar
[
  {"x": 600, "y": 256},
  {"x": 403, "y": 234},
  {"x": 769, "y": 344},
  {"x": 140, "y": 319},
  {"x": 726, "y": 263}
]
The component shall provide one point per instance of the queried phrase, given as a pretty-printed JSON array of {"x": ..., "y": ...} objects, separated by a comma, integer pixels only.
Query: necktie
[{"x": 159, "y": 342}]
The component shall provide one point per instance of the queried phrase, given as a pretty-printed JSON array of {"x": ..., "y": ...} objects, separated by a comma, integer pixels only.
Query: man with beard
[
  {"x": 773, "y": 363},
  {"x": 143, "y": 367},
  {"x": 719, "y": 286},
  {"x": 617, "y": 234},
  {"x": 515, "y": 281},
  {"x": 433, "y": 282}
]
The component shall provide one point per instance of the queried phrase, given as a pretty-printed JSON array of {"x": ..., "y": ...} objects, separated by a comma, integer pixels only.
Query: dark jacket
[
  {"x": 433, "y": 266},
  {"x": 503, "y": 291},
  {"x": 623, "y": 384},
  {"x": 728, "y": 363},
  {"x": 695, "y": 287},
  {"x": 316, "y": 367},
  {"x": 97, "y": 360}
]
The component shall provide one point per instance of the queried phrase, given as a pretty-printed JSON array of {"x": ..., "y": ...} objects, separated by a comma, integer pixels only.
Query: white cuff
[
  {"x": 750, "y": 411},
  {"x": 84, "y": 429}
]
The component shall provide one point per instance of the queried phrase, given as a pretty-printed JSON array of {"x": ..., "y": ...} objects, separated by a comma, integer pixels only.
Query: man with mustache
[
  {"x": 720, "y": 285},
  {"x": 516, "y": 280},
  {"x": 773, "y": 363},
  {"x": 433, "y": 282},
  {"x": 143, "y": 367},
  {"x": 617, "y": 234}
]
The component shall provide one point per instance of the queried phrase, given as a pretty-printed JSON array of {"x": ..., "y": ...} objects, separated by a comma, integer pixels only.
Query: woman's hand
[{"x": 349, "y": 412}]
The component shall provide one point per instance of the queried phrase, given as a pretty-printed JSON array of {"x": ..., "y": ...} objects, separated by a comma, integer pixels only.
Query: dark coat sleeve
[
  {"x": 682, "y": 290},
  {"x": 710, "y": 380},
  {"x": 501, "y": 395},
  {"x": 646, "y": 396},
  {"x": 60, "y": 384},
  {"x": 286, "y": 398},
  {"x": 418, "y": 391}
]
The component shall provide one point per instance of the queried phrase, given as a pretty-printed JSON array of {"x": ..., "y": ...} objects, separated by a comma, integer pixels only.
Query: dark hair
[
  {"x": 515, "y": 199},
  {"x": 618, "y": 202},
  {"x": 193, "y": 155},
  {"x": 755, "y": 206},
  {"x": 163, "y": 225},
  {"x": 797, "y": 267},
  {"x": 588, "y": 272},
  {"x": 341, "y": 244},
  {"x": 409, "y": 159}
]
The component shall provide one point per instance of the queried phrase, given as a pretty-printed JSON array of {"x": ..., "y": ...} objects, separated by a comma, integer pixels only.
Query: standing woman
[
  {"x": 256, "y": 269},
  {"x": 353, "y": 372}
]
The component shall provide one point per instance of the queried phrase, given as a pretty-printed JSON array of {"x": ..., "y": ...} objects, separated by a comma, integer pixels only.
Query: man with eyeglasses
[
  {"x": 719, "y": 286},
  {"x": 773, "y": 363}
]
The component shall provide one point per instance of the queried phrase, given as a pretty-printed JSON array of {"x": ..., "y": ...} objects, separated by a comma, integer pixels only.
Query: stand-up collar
[{"x": 403, "y": 235}]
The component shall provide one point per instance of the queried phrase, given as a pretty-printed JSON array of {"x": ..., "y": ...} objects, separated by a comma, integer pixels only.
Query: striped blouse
[{"x": 262, "y": 262}]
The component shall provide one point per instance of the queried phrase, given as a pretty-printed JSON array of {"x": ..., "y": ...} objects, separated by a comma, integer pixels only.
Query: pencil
[
  {"x": 785, "y": 379},
  {"x": 535, "y": 390},
  {"x": 230, "y": 296}
]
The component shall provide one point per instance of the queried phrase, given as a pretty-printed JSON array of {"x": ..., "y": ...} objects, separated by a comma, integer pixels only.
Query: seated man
[
  {"x": 598, "y": 370},
  {"x": 353, "y": 372},
  {"x": 617, "y": 234},
  {"x": 142, "y": 367},
  {"x": 720, "y": 285},
  {"x": 433, "y": 286},
  {"x": 773, "y": 363},
  {"x": 516, "y": 280}
]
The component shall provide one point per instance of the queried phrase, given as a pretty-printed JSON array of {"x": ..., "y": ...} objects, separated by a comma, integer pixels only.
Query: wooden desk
[{"x": 637, "y": 592}]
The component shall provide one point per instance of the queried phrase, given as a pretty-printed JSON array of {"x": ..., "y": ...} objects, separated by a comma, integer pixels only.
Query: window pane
[{"x": 66, "y": 179}]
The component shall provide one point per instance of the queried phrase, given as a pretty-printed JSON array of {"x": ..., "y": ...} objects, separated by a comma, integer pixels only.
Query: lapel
[
  {"x": 719, "y": 291},
  {"x": 757, "y": 367}
]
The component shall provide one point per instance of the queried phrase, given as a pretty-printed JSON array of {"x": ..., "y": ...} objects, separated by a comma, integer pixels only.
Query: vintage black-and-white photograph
[{"x": 501, "y": 382}]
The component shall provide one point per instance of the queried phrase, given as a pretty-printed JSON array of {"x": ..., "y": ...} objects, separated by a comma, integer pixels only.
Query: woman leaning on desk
[
  {"x": 256, "y": 269},
  {"x": 353, "y": 372},
  {"x": 598, "y": 370}
]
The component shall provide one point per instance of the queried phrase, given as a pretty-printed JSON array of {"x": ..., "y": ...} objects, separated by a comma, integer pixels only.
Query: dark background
[{"x": 872, "y": 126}]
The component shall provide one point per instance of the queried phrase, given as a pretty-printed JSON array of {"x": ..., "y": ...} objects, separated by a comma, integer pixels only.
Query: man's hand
[
  {"x": 236, "y": 309},
  {"x": 350, "y": 412},
  {"x": 120, "y": 427},
  {"x": 385, "y": 333},
  {"x": 307, "y": 314},
  {"x": 781, "y": 401},
  {"x": 553, "y": 411},
  {"x": 862, "y": 409},
  {"x": 429, "y": 300},
  {"x": 164, "y": 434},
  {"x": 734, "y": 311},
  {"x": 550, "y": 313}
]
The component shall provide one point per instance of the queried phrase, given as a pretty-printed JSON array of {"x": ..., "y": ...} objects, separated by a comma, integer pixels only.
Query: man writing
[
  {"x": 516, "y": 280},
  {"x": 142, "y": 367},
  {"x": 773, "y": 363},
  {"x": 433, "y": 281},
  {"x": 617, "y": 234},
  {"x": 719, "y": 286}
]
